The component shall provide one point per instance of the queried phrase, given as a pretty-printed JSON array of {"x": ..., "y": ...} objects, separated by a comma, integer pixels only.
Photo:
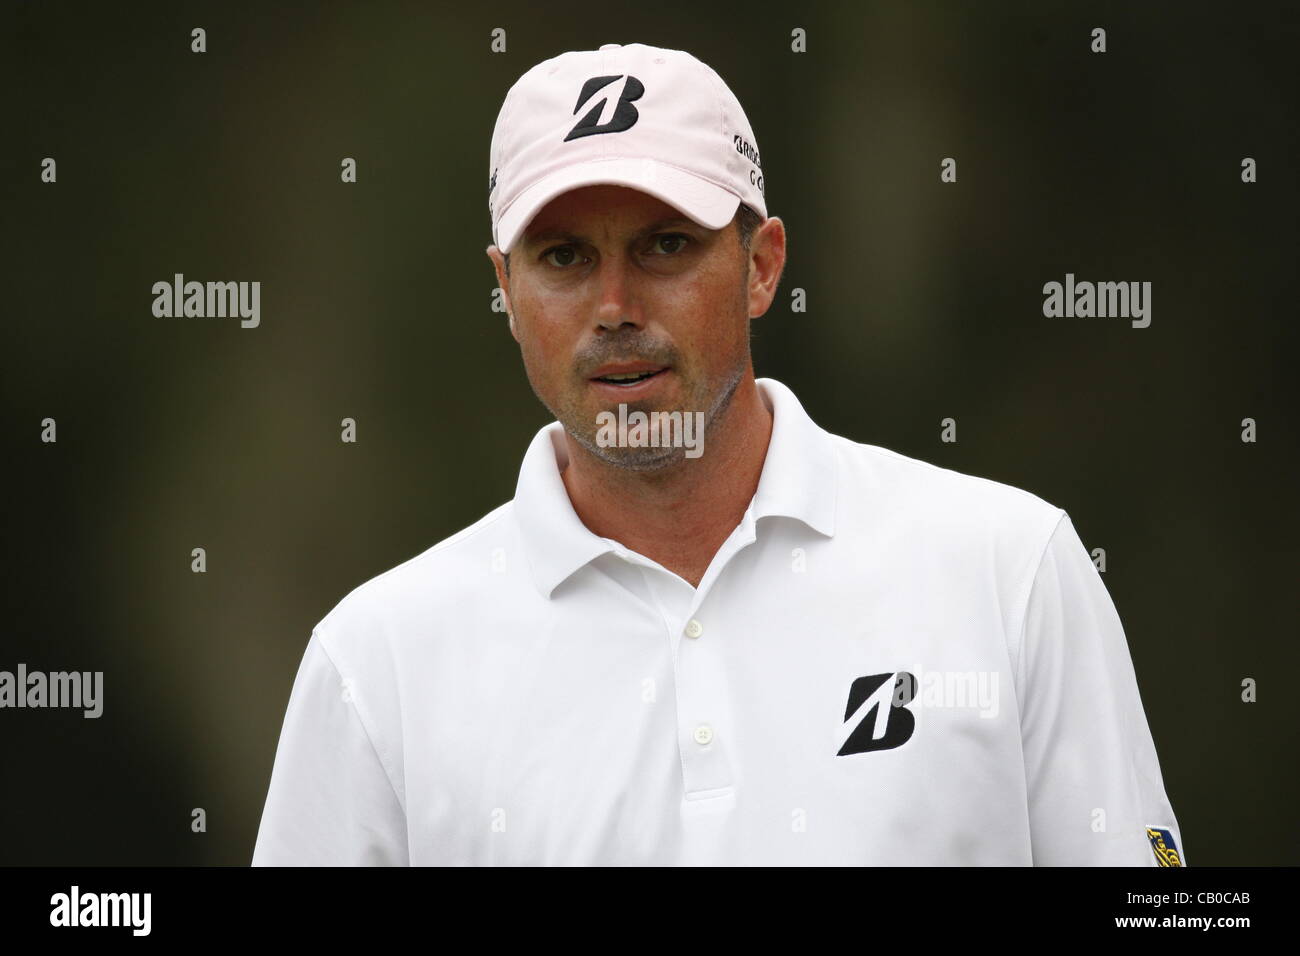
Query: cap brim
[{"x": 698, "y": 199}]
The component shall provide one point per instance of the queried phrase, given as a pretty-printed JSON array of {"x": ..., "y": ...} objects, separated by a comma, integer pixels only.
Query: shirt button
[
  {"x": 694, "y": 628},
  {"x": 703, "y": 734}
]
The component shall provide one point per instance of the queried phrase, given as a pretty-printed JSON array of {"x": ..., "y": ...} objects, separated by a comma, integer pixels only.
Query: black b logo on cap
[{"x": 625, "y": 114}]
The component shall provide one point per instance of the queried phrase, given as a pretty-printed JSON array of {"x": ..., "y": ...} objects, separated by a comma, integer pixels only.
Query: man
[{"x": 729, "y": 638}]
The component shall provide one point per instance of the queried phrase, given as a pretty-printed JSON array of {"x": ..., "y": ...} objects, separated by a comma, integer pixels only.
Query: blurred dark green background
[{"x": 924, "y": 302}]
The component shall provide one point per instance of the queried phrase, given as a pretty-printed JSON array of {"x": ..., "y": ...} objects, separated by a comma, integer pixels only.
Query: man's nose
[{"x": 619, "y": 301}]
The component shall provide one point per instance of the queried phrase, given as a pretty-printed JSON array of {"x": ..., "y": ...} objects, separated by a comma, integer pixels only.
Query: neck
[{"x": 681, "y": 514}]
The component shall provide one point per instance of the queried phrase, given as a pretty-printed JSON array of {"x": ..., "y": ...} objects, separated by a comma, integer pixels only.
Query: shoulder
[
  {"x": 395, "y": 605},
  {"x": 933, "y": 505},
  {"x": 943, "y": 526}
]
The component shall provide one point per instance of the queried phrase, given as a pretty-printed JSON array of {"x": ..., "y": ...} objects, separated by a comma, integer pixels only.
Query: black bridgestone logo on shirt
[{"x": 880, "y": 706}]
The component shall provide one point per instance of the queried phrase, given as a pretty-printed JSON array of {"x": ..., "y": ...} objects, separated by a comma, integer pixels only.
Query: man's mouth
[{"x": 626, "y": 378}]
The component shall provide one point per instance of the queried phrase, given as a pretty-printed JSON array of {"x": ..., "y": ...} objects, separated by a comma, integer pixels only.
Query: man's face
[{"x": 610, "y": 281}]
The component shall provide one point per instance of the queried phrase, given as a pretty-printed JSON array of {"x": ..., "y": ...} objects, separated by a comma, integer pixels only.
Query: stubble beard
[
  {"x": 583, "y": 427},
  {"x": 650, "y": 459}
]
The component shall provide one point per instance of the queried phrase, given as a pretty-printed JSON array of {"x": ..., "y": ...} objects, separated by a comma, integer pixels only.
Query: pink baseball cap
[{"x": 652, "y": 119}]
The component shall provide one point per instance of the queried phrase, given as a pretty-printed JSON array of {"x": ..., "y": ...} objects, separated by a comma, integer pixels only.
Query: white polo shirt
[{"x": 529, "y": 693}]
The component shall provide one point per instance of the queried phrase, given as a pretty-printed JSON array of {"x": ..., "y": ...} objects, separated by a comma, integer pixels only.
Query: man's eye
[
  {"x": 672, "y": 237},
  {"x": 567, "y": 255}
]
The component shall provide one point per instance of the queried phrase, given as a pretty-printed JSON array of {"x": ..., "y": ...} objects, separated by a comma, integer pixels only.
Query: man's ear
[
  {"x": 503, "y": 282},
  {"x": 766, "y": 265}
]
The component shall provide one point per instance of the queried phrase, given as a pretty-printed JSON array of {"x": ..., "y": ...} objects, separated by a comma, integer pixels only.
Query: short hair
[{"x": 745, "y": 220}]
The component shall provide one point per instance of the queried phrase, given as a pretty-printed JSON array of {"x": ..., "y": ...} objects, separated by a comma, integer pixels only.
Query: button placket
[{"x": 702, "y": 699}]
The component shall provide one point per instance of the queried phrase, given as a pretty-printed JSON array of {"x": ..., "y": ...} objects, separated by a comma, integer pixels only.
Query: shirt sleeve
[
  {"x": 331, "y": 801},
  {"x": 1096, "y": 797}
]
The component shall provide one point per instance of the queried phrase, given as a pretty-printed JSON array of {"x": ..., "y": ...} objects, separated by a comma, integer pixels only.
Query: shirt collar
[{"x": 798, "y": 480}]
